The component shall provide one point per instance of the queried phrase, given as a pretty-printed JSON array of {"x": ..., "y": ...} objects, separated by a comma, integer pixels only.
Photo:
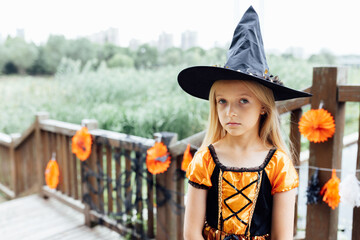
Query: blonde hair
[{"x": 269, "y": 127}]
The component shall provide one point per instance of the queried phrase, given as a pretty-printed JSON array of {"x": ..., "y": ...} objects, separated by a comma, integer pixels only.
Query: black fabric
[
  {"x": 199, "y": 186},
  {"x": 261, "y": 220},
  {"x": 212, "y": 205}
]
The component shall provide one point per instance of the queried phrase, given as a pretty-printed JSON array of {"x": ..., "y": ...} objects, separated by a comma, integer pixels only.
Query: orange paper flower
[
  {"x": 186, "y": 158},
  {"x": 52, "y": 174},
  {"x": 317, "y": 125},
  {"x": 81, "y": 144},
  {"x": 158, "y": 158},
  {"x": 330, "y": 191}
]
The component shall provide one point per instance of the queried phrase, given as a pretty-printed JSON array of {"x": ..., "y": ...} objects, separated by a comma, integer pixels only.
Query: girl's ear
[{"x": 262, "y": 110}]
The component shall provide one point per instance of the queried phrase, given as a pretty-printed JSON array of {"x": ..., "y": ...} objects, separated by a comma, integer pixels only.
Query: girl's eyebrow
[{"x": 241, "y": 94}]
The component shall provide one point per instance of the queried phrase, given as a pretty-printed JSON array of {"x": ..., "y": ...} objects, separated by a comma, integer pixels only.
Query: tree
[
  {"x": 146, "y": 57},
  {"x": 171, "y": 56},
  {"x": 82, "y": 49},
  {"x": 3, "y": 57},
  {"x": 121, "y": 60},
  {"x": 21, "y": 54},
  {"x": 51, "y": 54},
  {"x": 194, "y": 56}
]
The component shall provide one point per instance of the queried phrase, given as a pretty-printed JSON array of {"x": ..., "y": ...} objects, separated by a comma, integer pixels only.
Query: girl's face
[{"x": 238, "y": 108}]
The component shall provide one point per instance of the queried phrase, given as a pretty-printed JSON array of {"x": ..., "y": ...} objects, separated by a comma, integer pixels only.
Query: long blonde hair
[{"x": 269, "y": 127}]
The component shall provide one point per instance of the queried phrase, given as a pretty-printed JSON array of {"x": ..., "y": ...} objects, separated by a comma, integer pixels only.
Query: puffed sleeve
[
  {"x": 282, "y": 173},
  {"x": 200, "y": 169}
]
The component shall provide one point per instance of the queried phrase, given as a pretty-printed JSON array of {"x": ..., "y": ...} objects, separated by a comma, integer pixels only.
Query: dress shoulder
[
  {"x": 281, "y": 173},
  {"x": 200, "y": 169}
]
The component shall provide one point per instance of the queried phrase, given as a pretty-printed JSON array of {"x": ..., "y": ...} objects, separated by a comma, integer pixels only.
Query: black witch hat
[{"x": 246, "y": 61}]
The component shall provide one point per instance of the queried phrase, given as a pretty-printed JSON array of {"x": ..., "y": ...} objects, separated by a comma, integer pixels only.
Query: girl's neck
[{"x": 244, "y": 143}]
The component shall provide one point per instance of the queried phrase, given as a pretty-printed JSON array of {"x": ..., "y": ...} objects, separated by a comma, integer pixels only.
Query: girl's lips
[{"x": 233, "y": 123}]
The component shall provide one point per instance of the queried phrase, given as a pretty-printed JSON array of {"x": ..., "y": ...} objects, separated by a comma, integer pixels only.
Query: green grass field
[{"x": 129, "y": 101}]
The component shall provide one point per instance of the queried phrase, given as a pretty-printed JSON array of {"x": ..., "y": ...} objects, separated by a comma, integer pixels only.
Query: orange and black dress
[{"x": 239, "y": 200}]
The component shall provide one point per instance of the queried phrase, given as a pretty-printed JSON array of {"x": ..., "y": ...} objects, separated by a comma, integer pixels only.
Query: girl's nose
[{"x": 231, "y": 111}]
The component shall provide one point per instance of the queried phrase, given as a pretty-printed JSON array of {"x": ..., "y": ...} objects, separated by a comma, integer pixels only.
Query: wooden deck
[{"x": 37, "y": 218}]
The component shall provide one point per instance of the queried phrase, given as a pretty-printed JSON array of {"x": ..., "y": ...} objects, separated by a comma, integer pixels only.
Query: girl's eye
[
  {"x": 243, "y": 100},
  {"x": 221, "y": 101}
]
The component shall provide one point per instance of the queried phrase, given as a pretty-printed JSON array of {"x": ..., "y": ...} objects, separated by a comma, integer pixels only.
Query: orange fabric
[
  {"x": 201, "y": 168},
  {"x": 239, "y": 180},
  {"x": 210, "y": 233},
  {"x": 280, "y": 171},
  {"x": 186, "y": 158}
]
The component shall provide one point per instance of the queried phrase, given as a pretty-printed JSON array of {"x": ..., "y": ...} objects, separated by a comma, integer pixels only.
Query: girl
[{"x": 242, "y": 179}]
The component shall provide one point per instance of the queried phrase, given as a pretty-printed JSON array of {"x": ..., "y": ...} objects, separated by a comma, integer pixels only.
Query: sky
[{"x": 308, "y": 24}]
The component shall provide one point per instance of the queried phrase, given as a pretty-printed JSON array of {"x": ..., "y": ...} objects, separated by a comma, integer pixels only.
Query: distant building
[
  {"x": 20, "y": 33},
  {"x": 110, "y": 35},
  {"x": 166, "y": 41},
  {"x": 189, "y": 39}
]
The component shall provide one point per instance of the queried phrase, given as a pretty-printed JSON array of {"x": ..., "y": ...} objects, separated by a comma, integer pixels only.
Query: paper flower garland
[
  {"x": 158, "y": 158},
  {"x": 313, "y": 189},
  {"x": 317, "y": 125},
  {"x": 186, "y": 158},
  {"x": 52, "y": 174},
  {"x": 81, "y": 144},
  {"x": 330, "y": 191},
  {"x": 350, "y": 191}
]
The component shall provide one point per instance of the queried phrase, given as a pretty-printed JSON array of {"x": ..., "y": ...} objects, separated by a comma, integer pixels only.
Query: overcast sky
[{"x": 308, "y": 24}]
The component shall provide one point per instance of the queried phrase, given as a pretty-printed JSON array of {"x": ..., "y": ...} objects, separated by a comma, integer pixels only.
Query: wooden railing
[{"x": 114, "y": 188}]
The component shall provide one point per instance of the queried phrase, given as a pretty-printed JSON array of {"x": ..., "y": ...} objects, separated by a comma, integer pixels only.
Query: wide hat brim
[{"x": 198, "y": 80}]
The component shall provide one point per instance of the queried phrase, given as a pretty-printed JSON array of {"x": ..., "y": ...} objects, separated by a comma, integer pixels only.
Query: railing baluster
[{"x": 110, "y": 178}]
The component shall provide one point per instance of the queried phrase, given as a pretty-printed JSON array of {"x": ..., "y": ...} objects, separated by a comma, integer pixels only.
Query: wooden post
[
  {"x": 356, "y": 211},
  {"x": 295, "y": 139},
  {"x": 91, "y": 124},
  {"x": 14, "y": 166},
  {"x": 322, "y": 221},
  {"x": 165, "y": 217},
  {"x": 39, "y": 150}
]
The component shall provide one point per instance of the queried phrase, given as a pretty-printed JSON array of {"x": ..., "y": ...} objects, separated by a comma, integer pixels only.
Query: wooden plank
[
  {"x": 66, "y": 170},
  {"x": 163, "y": 215},
  {"x": 73, "y": 203},
  {"x": 119, "y": 202},
  {"x": 72, "y": 169},
  {"x": 128, "y": 188},
  {"x": 51, "y": 220},
  {"x": 150, "y": 205},
  {"x": 295, "y": 139},
  {"x": 25, "y": 135},
  {"x": 179, "y": 147},
  {"x": 100, "y": 172},
  {"x": 7, "y": 191},
  {"x": 356, "y": 211},
  {"x": 180, "y": 200},
  {"x": 348, "y": 93},
  {"x": 322, "y": 221},
  {"x": 14, "y": 174},
  {"x": 139, "y": 198},
  {"x": 60, "y": 160},
  {"x": 92, "y": 179},
  {"x": 45, "y": 153},
  {"x": 109, "y": 183},
  {"x": 293, "y": 104},
  {"x": 171, "y": 210}
]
